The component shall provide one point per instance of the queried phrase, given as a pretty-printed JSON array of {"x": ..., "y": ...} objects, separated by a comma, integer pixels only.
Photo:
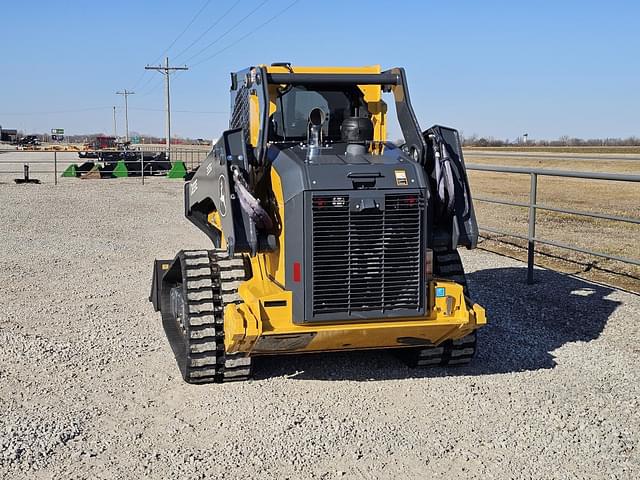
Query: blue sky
[{"x": 549, "y": 68}]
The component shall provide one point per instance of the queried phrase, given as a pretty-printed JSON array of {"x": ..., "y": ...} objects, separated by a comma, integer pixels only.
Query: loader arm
[{"x": 212, "y": 191}]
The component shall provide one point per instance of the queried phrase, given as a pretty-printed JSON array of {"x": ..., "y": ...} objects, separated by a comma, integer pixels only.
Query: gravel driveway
[{"x": 89, "y": 387}]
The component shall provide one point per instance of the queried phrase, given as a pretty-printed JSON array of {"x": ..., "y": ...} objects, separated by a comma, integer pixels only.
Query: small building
[{"x": 7, "y": 135}]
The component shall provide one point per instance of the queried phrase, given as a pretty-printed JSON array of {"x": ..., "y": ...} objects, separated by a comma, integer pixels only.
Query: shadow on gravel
[{"x": 526, "y": 324}]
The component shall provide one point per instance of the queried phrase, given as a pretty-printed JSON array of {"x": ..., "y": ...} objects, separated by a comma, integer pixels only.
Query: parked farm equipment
[{"x": 127, "y": 163}]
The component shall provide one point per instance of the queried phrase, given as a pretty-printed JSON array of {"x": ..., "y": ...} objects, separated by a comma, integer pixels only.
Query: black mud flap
[{"x": 160, "y": 267}]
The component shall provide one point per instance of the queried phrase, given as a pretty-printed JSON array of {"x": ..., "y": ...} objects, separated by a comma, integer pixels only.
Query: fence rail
[
  {"x": 140, "y": 162},
  {"x": 193, "y": 157},
  {"x": 534, "y": 206},
  {"x": 582, "y": 157}
]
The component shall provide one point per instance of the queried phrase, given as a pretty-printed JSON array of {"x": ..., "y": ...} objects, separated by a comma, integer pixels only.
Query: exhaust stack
[{"x": 317, "y": 118}]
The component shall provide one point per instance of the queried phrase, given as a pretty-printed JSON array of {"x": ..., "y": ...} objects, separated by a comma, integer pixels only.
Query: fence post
[
  {"x": 533, "y": 198},
  {"x": 55, "y": 167},
  {"x": 142, "y": 165}
]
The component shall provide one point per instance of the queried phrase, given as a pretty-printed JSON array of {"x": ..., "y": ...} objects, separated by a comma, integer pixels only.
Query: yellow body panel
[
  {"x": 214, "y": 219},
  {"x": 255, "y": 323},
  {"x": 275, "y": 260},
  {"x": 254, "y": 119}
]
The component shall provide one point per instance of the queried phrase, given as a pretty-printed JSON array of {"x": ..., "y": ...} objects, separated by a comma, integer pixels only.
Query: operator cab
[
  {"x": 294, "y": 104},
  {"x": 345, "y": 119}
]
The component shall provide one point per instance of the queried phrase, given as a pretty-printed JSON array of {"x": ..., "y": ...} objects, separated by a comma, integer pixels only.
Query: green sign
[
  {"x": 57, "y": 131},
  {"x": 135, "y": 140}
]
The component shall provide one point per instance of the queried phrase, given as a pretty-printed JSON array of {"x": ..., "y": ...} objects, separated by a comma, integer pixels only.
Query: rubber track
[
  {"x": 210, "y": 282},
  {"x": 446, "y": 264}
]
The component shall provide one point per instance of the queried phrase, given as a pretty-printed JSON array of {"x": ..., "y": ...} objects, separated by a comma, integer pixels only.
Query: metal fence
[
  {"x": 192, "y": 157},
  {"x": 140, "y": 162},
  {"x": 533, "y": 206}
]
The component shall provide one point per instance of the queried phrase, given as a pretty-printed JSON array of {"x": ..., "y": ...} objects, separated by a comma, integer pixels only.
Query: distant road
[{"x": 592, "y": 157}]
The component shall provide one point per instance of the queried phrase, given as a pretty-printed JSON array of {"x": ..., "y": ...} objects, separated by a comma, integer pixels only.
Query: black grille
[{"x": 366, "y": 261}]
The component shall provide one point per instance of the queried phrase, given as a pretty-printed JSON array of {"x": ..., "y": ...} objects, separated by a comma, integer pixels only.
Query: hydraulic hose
[
  {"x": 445, "y": 187},
  {"x": 249, "y": 203}
]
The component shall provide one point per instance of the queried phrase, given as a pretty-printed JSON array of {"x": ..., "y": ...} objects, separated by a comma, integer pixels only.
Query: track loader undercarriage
[{"x": 193, "y": 293}]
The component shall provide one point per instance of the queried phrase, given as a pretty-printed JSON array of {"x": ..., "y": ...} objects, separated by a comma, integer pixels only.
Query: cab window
[{"x": 290, "y": 120}]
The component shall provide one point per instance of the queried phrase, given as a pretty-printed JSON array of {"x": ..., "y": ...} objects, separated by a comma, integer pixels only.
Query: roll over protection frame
[
  {"x": 333, "y": 78},
  {"x": 394, "y": 79}
]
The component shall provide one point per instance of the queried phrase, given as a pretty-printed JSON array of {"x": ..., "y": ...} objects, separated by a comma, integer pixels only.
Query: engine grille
[{"x": 366, "y": 261}]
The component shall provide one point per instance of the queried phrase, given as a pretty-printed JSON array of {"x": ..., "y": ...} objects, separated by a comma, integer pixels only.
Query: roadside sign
[
  {"x": 135, "y": 140},
  {"x": 57, "y": 131},
  {"x": 57, "y": 138}
]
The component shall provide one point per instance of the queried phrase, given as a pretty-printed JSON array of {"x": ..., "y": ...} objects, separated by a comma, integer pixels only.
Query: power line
[
  {"x": 233, "y": 27},
  {"x": 183, "y": 31},
  {"x": 207, "y": 30},
  {"x": 88, "y": 109},
  {"x": 139, "y": 79},
  {"x": 153, "y": 88},
  {"x": 151, "y": 77},
  {"x": 195, "y": 17},
  {"x": 181, "y": 111},
  {"x": 263, "y": 24},
  {"x": 56, "y": 111},
  {"x": 251, "y": 32}
]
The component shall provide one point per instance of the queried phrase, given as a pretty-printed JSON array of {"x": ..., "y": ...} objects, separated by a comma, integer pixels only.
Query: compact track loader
[{"x": 326, "y": 236}]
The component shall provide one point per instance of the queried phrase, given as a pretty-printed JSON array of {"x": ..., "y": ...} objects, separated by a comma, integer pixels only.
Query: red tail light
[{"x": 297, "y": 272}]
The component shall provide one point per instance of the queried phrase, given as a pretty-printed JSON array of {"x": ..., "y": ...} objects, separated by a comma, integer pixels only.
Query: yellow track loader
[{"x": 326, "y": 236}]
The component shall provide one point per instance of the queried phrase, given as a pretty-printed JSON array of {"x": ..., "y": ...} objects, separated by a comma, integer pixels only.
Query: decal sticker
[
  {"x": 401, "y": 178},
  {"x": 193, "y": 186}
]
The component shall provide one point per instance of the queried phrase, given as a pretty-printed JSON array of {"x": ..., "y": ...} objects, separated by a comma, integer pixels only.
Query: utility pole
[
  {"x": 166, "y": 70},
  {"x": 115, "y": 130},
  {"x": 126, "y": 94}
]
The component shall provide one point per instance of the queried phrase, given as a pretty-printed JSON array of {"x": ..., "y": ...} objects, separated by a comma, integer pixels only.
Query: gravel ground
[{"x": 89, "y": 387}]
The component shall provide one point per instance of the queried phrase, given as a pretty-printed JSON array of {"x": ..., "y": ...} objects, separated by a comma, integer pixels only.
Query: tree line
[{"x": 564, "y": 141}]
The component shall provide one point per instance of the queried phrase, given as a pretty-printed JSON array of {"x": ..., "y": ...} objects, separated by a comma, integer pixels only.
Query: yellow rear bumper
[{"x": 258, "y": 329}]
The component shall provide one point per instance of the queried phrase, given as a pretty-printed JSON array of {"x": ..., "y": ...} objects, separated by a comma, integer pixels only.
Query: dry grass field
[
  {"x": 614, "y": 198},
  {"x": 534, "y": 149}
]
